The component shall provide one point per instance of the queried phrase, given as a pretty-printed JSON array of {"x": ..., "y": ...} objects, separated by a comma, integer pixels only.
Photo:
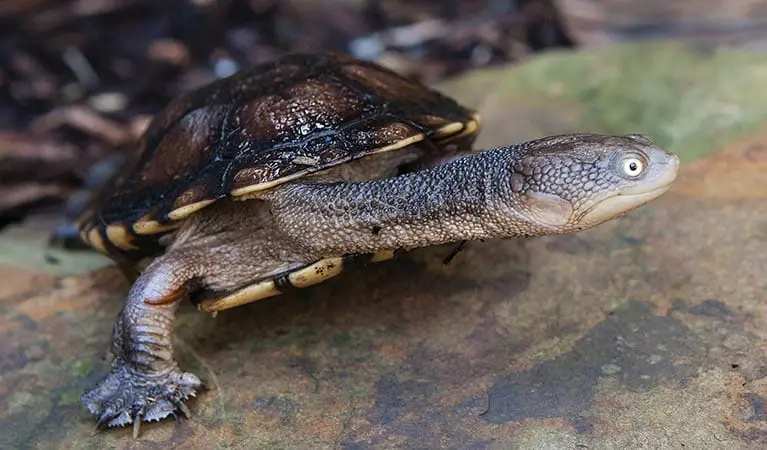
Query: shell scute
[{"x": 253, "y": 130}]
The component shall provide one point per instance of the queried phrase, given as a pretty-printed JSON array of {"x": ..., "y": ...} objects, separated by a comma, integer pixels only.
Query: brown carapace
[{"x": 278, "y": 122}]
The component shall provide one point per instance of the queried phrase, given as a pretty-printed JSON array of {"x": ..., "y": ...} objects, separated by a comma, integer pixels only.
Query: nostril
[{"x": 672, "y": 160}]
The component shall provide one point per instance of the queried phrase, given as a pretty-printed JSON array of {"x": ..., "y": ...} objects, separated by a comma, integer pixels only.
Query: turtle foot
[{"x": 126, "y": 396}]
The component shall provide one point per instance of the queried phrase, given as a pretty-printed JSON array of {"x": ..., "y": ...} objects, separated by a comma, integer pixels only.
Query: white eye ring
[{"x": 633, "y": 167}]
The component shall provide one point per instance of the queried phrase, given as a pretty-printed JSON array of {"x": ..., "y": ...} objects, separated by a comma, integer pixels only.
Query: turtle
[{"x": 295, "y": 170}]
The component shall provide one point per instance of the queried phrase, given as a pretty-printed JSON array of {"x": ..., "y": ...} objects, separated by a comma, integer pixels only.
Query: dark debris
[{"x": 80, "y": 79}]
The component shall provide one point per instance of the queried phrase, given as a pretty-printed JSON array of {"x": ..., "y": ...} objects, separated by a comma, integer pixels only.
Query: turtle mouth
[{"x": 619, "y": 204}]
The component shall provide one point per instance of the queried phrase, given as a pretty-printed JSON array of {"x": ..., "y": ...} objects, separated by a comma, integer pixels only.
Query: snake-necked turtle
[{"x": 282, "y": 176}]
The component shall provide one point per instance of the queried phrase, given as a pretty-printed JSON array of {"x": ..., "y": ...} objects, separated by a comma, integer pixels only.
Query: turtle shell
[{"x": 259, "y": 128}]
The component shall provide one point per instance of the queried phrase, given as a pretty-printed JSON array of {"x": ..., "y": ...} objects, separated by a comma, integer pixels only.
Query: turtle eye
[{"x": 633, "y": 167}]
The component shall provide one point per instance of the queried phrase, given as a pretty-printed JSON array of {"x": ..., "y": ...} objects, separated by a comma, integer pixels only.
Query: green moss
[
  {"x": 82, "y": 367},
  {"x": 689, "y": 99},
  {"x": 70, "y": 397}
]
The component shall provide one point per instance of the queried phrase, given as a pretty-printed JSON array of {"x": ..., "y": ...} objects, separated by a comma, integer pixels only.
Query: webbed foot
[{"x": 126, "y": 396}]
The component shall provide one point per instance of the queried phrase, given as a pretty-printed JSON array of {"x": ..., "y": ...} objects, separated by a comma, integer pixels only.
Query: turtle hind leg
[{"x": 145, "y": 382}]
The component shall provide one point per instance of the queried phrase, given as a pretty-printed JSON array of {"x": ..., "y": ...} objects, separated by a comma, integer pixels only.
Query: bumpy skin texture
[
  {"x": 145, "y": 382},
  {"x": 538, "y": 188},
  {"x": 554, "y": 185}
]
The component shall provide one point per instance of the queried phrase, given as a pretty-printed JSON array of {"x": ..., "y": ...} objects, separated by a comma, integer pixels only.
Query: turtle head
[{"x": 577, "y": 181}]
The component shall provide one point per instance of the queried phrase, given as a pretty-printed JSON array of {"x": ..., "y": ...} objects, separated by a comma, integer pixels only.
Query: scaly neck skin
[{"x": 465, "y": 199}]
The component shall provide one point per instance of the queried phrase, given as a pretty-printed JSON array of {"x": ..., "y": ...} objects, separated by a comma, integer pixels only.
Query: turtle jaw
[{"x": 618, "y": 205}]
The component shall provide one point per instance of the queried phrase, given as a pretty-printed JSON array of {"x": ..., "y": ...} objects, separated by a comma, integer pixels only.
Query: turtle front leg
[{"x": 145, "y": 382}]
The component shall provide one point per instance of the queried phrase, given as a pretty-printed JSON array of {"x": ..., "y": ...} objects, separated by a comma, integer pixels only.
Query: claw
[
  {"x": 182, "y": 407},
  {"x": 96, "y": 428},
  {"x": 101, "y": 423},
  {"x": 136, "y": 425},
  {"x": 116, "y": 406}
]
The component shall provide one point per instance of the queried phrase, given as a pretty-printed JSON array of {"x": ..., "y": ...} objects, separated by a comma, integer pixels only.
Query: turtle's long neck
[{"x": 462, "y": 200}]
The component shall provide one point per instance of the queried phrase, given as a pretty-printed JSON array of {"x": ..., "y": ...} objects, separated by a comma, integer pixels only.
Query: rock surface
[{"x": 649, "y": 331}]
